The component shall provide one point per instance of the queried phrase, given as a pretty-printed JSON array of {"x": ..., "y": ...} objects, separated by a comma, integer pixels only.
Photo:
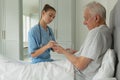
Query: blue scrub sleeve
[{"x": 32, "y": 46}]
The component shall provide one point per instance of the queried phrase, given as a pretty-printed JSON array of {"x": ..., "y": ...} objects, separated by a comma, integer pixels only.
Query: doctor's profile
[
  {"x": 41, "y": 38},
  {"x": 89, "y": 57}
]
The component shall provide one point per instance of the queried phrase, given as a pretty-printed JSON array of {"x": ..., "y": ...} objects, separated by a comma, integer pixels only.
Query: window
[{"x": 28, "y": 22}]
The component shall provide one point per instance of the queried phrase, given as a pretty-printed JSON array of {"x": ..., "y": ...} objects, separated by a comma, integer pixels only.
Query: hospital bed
[
  {"x": 18, "y": 70},
  {"x": 56, "y": 70}
]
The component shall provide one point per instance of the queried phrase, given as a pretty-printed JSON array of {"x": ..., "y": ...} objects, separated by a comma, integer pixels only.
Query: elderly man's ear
[{"x": 97, "y": 18}]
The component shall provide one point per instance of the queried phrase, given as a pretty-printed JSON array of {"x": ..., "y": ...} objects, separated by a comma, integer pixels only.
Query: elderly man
[{"x": 89, "y": 57}]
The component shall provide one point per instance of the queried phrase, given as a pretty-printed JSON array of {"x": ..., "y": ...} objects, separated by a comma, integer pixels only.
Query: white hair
[{"x": 96, "y": 8}]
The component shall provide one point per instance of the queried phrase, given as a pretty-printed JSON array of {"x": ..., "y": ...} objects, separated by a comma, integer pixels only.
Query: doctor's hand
[
  {"x": 51, "y": 44},
  {"x": 59, "y": 49}
]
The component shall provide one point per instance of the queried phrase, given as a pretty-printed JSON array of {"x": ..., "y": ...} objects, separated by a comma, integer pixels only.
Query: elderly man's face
[{"x": 89, "y": 21}]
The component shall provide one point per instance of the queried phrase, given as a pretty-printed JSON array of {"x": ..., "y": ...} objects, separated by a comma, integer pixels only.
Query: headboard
[{"x": 115, "y": 25}]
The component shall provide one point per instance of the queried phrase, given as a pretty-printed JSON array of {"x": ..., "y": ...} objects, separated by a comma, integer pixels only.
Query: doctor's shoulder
[{"x": 33, "y": 29}]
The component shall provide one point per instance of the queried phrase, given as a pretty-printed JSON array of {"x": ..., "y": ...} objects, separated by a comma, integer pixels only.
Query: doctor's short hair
[{"x": 96, "y": 8}]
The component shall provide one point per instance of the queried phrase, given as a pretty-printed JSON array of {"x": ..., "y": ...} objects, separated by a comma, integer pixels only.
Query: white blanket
[
  {"x": 15, "y": 70},
  {"x": 108, "y": 79}
]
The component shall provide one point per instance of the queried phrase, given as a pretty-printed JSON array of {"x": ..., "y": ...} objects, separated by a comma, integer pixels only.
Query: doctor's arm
[{"x": 43, "y": 49}]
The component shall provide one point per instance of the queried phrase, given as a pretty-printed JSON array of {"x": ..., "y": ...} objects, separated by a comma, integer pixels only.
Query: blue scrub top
[{"x": 38, "y": 37}]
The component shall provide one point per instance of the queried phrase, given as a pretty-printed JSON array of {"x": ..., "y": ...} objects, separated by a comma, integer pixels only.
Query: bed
[
  {"x": 56, "y": 70},
  {"x": 19, "y": 70}
]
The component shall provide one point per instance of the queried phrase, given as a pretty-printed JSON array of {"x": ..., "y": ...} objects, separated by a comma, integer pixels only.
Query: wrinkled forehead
[{"x": 87, "y": 12}]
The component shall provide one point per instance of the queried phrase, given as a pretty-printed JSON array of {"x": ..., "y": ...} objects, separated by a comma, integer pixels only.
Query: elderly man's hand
[
  {"x": 59, "y": 49},
  {"x": 71, "y": 50}
]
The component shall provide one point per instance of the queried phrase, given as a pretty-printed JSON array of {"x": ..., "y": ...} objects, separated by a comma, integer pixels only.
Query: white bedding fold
[
  {"x": 107, "y": 79},
  {"x": 56, "y": 70}
]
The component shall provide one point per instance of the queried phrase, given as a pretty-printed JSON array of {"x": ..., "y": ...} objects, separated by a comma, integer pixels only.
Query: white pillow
[{"x": 108, "y": 66}]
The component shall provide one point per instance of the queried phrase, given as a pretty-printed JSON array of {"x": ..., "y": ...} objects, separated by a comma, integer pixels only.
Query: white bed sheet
[
  {"x": 107, "y": 79},
  {"x": 15, "y": 70}
]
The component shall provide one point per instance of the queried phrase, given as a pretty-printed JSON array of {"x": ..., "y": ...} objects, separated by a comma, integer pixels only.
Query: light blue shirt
[{"x": 38, "y": 37}]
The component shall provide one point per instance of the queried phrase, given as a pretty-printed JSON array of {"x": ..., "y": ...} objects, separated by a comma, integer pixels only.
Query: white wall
[
  {"x": 81, "y": 30},
  {"x": 0, "y": 28},
  {"x": 11, "y": 28}
]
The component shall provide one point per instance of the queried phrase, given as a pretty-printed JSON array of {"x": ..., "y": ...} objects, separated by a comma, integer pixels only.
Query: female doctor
[{"x": 41, "y": 38}]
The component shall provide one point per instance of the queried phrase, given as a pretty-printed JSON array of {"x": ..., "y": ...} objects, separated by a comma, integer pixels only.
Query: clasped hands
[{"x": 59, "y": 49}]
